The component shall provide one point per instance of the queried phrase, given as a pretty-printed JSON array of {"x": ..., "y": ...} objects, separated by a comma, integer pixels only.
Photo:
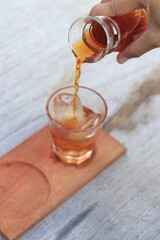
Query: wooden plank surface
[
  {"x": 124, "y": 201},
  {"x": 33, "y": 182}
]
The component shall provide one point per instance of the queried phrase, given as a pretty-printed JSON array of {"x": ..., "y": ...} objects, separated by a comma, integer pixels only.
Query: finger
[
  {"x": 103, "y": 1},
  {"x": 116, "y": 7},
  {"x": 137, "y": 48}
]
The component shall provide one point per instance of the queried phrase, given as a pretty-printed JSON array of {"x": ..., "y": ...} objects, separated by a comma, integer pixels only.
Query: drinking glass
[{"x": 76, "y": 145}]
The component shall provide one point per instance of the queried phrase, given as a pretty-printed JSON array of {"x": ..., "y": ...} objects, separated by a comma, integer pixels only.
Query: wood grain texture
[
  {"x": 123, "y": 202},
  {"x": 34, "y": 182}
]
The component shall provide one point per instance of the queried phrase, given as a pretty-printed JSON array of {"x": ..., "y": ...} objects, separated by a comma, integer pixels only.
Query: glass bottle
[{"x": 91, "y": 38}]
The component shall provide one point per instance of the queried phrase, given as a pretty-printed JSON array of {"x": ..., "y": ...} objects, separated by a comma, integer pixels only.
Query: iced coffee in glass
[{"x": 74, "y": 129}]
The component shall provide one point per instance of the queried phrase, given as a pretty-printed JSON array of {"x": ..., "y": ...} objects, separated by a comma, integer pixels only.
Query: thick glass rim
[
  {"x": 53, "y": 121},
  {"x": 89, "y": 18},
  {"x": 101, "y": 21}
]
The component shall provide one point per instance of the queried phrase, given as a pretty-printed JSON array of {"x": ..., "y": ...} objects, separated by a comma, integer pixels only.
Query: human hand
[{"x": 150, "y": 38}]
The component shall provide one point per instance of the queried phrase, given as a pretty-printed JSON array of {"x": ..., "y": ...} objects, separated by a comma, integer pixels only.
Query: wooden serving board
[{"x": 33, "y": 182}]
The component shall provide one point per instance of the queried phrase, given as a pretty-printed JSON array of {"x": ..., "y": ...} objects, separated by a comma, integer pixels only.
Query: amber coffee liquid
[{"x": 131, "y": 26}]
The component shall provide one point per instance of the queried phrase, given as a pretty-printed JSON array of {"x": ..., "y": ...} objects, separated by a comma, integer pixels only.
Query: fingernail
[{"x": 123, "y": 60}]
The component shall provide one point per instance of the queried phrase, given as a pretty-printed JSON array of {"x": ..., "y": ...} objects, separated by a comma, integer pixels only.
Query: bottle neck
[
  {"x": 112, "y": 32},
  {"x": 91, "y": 38},
  {"x": 104, "y": 31}
]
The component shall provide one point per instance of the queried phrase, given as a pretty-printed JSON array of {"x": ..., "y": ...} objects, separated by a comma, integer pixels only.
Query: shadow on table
[
  {"x": 123, "y": 118},
  {"x": 74, "y": 222}
]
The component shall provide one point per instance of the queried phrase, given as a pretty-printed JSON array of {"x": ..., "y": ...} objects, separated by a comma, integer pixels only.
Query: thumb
[{"x": 137, "y": 48}]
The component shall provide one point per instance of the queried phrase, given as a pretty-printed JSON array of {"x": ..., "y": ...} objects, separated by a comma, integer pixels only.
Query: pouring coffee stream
[{"x": 91, "y": 38}]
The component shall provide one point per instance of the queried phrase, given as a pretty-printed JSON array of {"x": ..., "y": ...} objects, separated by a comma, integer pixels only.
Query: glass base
[{"x": 72, "y": 159}]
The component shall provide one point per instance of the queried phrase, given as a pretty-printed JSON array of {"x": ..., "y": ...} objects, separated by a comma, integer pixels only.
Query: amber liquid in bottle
[{"x": 131, "y": 27}]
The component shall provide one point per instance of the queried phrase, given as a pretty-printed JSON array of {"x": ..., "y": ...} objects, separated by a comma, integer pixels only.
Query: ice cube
[
  {"x": 91, "y": 121},
  {"x": 63, "y": 108}
]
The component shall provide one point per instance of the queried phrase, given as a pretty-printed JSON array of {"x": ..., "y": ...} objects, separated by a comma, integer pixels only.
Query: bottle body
[
  {"x": 131, "y": 27},
  {"x": 98, "y": 36}
]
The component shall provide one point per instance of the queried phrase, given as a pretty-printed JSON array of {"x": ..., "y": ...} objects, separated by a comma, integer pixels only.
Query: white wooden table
[{"x": 123, "y": 203}]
